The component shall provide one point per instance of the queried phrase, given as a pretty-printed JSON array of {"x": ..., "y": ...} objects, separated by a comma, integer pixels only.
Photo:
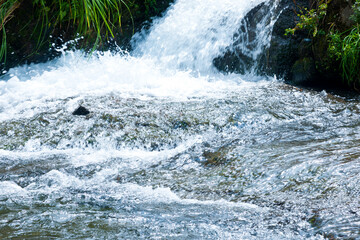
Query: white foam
[
  {"x": 97, "y": 76},
  {"x": 135, "y": 192},
  {"x": 8, "y": 188},
  {"x": 55, "y": 180},
  {"x": 190, "y": 40},
  {"x": 175, "y": 61}
]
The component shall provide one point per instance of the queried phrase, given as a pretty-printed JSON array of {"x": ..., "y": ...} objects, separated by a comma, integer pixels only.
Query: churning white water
[
  {"x": 173, "y": 149},
  {"x": 194, "y": 33}
]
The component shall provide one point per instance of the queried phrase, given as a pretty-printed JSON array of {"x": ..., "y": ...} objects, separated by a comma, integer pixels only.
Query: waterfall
[
  {"x": 193, "y": 33},
  {"x": 174, "y": 59}
]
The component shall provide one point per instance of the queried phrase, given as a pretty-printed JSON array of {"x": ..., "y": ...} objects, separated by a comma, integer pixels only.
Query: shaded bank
[{"x": 32, "y": 31}]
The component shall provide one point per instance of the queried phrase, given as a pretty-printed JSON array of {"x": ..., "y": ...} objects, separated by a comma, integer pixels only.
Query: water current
[{"x": 173, "y": 149}]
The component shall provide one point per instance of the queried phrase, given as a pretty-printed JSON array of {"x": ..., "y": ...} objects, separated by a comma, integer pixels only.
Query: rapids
[{"x": 173, "y": 149}]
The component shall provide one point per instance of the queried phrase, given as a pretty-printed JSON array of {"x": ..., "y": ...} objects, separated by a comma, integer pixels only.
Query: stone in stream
[
  {"x": 81, "y": 111},
  {"x": 216, "y": 158}
]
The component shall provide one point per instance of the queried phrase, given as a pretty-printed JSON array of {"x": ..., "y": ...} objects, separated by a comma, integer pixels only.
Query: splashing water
[
  {"x": 192, "y": 39},
  {"x": 172, "y": 149}
]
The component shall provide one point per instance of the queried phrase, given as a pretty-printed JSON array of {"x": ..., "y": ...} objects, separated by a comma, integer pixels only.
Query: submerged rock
[
  {"x": 216, "y": 158},
  {"x": 81, "y": 111}
]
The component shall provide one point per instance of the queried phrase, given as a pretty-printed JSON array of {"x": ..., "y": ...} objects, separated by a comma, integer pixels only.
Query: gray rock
[{"x": 276, "y": 59}]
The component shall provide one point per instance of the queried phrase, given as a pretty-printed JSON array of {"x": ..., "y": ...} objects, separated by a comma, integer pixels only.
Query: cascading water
[
  {"x": 194, "y": 33},
  {"x": 173, "y": 149}
]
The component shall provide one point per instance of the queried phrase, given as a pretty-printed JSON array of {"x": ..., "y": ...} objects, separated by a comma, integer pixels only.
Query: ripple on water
[{"x": 231, "y": 167}]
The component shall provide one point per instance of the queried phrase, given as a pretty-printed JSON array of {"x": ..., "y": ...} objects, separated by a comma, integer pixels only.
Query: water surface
[{"x": 173, "y": 149}]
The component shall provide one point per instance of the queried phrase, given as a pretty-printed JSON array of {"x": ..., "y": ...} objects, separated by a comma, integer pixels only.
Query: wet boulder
[
  {"x": 238, "y": 58},
  {"x": 81, "y": 111},
  {"x": 276, "y": 57},
  {"x": 303, "y": 71}
]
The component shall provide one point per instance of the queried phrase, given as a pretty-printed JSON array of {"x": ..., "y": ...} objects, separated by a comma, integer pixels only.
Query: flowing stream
[{"x": 173, "y": 149}]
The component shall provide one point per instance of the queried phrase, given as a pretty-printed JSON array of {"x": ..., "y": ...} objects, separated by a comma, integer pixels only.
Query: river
[{"x": 172, "y": 148}]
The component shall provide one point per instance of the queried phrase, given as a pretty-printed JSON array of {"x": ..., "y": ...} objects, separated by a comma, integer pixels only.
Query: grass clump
[
  {"x": 345, "y": 48},
  {"x": 97, "y": 18},
  {"x": 6, "y": 13},
  {"x": 350, "y": 59}
]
